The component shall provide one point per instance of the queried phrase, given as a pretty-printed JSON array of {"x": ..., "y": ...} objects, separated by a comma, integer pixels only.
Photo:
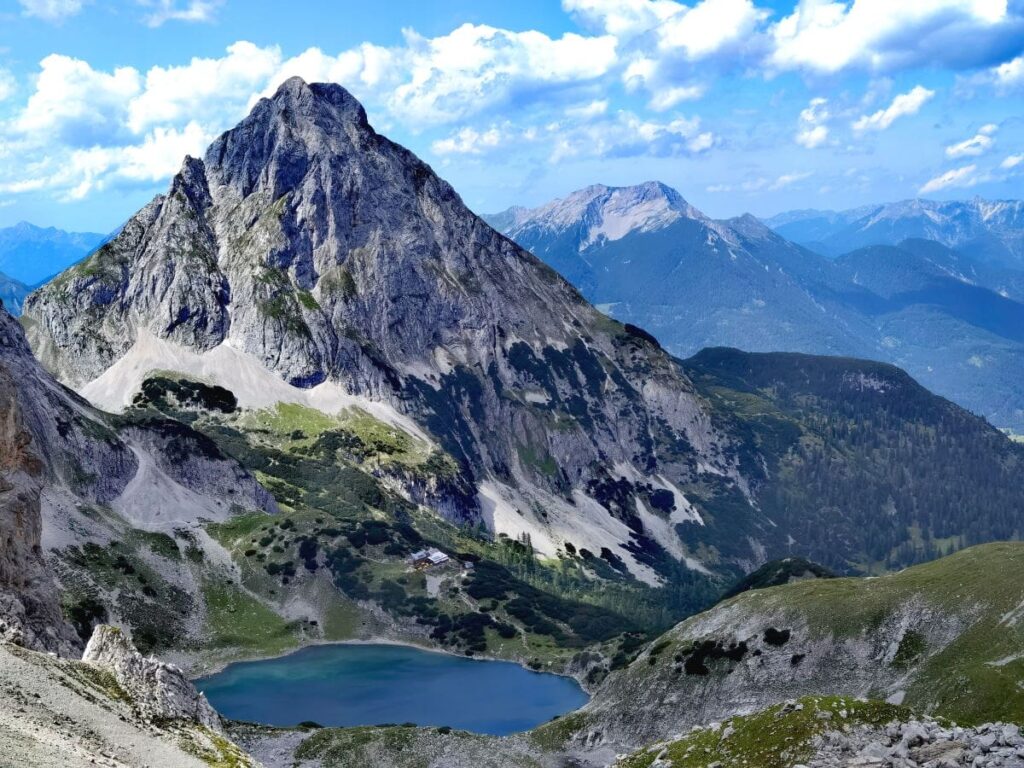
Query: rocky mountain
[
  {"x": 991, "y": 231},
  {"x": 31, "y": 254},
  {"x": 307, "y": 259},
  {"x": 12, "y": 294},
  {"x": 945, "y": 315},
  {"x": 337, "y": 261},
  {"x": 648, "y": 257}
]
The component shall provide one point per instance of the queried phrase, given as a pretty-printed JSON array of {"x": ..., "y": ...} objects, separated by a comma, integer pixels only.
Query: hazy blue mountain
[
  {"x": 954, "y": 320},
  {"x": 990, "y": 231},
  {"x": 33, "y": 254},
  {"x": 13, "y": 293}
]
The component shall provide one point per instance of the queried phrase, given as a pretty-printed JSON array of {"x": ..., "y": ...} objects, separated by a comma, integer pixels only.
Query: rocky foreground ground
[{"x": 834, "y": 732}]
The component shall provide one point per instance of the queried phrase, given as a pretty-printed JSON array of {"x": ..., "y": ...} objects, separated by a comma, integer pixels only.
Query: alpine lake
[{"x": 373, "y": 684}]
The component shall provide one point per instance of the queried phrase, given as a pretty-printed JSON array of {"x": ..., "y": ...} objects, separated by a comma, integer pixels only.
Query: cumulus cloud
[
  {"x": 592, "y": 109},
  {"x": 622, "y": 134},
  {"x": 625, "y": 134},
  {"x": 909, "y": 103},
  {"x": 978, "y": 144},
  {"x": 103, "y": 127},
  {"x": 958, "y": 177},
  {"x": 709, "y": 26},
  {"x": 812, "y": 131},
  {"x": 85, "y": 170},
  {"x": 468, "y": 141},
  {"x": 661, "y": 41},
  {"x": 162, "y": 11},
  {"x": 1009, "y": 74},
  {"x": 51, "y": 10},
  {"x": 8, "y": 85},
  {"x": 477, "y": 67},
  {"x": 670, "y": 97},
  {"x": 623, "y": 18},
  {"x": 76, "y": 104},
  {"x": 1011, "y": 162},
  {"x": 203, "y": 89},
  {"x": 828, "y": 36}
]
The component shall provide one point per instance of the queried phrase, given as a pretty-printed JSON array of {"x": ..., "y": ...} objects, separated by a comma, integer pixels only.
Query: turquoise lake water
[{"x": 337, "y": 685}]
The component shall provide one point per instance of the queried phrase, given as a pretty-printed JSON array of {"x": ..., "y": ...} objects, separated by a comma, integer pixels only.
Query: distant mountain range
[
  {"x": 953, "y": 317},
  {"x": 13, "y": 293},
  {"x": 31, "y": 254},
  {"x": 991, "y": 231}
]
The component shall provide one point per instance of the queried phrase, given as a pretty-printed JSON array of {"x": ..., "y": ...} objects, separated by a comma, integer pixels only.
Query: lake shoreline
[
  {"x": 296, "y": 687},
  {"x": 191, "y": 663}
]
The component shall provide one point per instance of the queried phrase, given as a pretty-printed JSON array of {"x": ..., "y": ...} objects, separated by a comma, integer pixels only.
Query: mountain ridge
[
  {"x": 32, "y": 254},
  {"x": 993, "y": 229},
  {"x": 694, "y": 282}
]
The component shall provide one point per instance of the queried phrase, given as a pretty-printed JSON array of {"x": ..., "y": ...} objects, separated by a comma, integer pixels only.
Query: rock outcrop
[{"x": 161, "y": 692}]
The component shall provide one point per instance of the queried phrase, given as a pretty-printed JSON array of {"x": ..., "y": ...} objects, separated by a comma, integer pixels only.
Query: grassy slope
[
  {"x": 339, "y": 545},
  {"x": 978, "y": 676},
  {"x": 771, "y": 738}
]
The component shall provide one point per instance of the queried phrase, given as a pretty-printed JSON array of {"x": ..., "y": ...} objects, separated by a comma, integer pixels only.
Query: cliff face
[
  {"x": 29, "y": 608},
  {"x": 76, "y": 484}
]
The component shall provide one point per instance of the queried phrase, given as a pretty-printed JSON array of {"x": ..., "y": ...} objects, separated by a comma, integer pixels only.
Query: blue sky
[{"x": 741, "y": 105}]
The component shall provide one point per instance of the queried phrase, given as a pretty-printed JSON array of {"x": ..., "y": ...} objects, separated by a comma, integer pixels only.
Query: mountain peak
[
  {"x": 600, "y": 213},
  {"x": 312, "y": 99}
]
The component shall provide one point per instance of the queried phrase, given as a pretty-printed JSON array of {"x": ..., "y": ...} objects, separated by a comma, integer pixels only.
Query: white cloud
[
  {"x": 203, "y": 89},
  {"x": 1009, "y": 74},
  {"x": 83, "y": 128},
  {"x": 812, "y": 136},
  {"x": 1011, "y": 162},
  {"x": 670, "y": 97},
  {"x": 909, "y": 103},
  {"x": 8, "y": 85},
  {"x": 978, "y": 144},
  {"x": 624, "y": 134},
  {"x": 623, "y": 18},
  {"x": 763, "y": 184},
  {"x": 51, "y": 10},
  {"x": 477, "y": 67},
  {"x": 958, "y": 177},
  {"x": 82, "y": 171},
  {"x": 828, "y": 36},
  {"x": 76, "y": 104},
  {"x": 593, "y": 109},
  {"x": 709, "y": 26},
  {"x": 163, "y": 11},
  {"x": 812, "y": 131},
  {"x": 468, "y": 141}
]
